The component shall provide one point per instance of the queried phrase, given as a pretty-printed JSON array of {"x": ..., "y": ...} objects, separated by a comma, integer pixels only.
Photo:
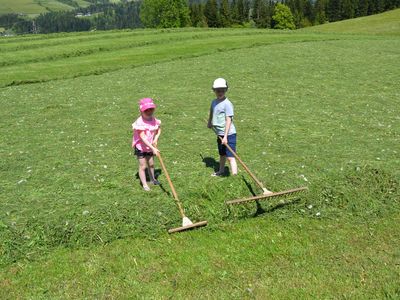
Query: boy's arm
[
  {"x": 209, "y": 125},
  {"x": 155, "y": 141},
  {"x": 147, "y": 143}
]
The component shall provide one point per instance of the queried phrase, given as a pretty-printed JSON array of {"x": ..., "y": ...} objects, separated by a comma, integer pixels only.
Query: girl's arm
[
  {"x": 155, "y": 141},
  {"x": 228, "y": 123},
  {"x": 147, "y": 143}
]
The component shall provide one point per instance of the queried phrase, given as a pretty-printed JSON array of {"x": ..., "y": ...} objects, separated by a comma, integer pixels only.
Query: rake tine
[{"x": 263, "y": 197}]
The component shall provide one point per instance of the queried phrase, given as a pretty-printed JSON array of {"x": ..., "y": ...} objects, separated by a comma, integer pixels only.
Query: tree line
[
  {"x": 224, "y": 13},
  {"x": 284, "y": 14}
]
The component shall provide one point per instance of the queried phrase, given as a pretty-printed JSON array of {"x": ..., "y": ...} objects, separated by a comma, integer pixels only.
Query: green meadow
[{"x": 316, "y": 108}]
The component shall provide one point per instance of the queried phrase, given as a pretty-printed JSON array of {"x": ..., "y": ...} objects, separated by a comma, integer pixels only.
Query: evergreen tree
[
  {"x": 194, "y": 13},
  {"x": 197, "y": 15},
  {"x": 392, "y": 4},
  {"x": 255, "y": 13},
  {"x": 235, "y": 16},
  {"x": 334, "y": 9},
  {"x": 380, "y": 6},
  {"x": 347, "y": 9},
  {"x": 309, "y": 12},
  {"x": 362, "y": 8},
  {"x": 241, "y": 11},
  {"x": 61, "y": 22},
  {"x": 262, "y": 13},
  {"x": 211, "y": 13},
  {"x": 371, "y": 7},
  {"x": 225, "y": 14},
  {"x": 23, "y": 26},
  {"x": 303, "y": 12},
  {"x": 246, "y": 10},
  {"x": 320, "y": 8}
]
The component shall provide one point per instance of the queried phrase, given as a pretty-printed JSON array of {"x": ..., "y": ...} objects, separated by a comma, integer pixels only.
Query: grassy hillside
[
  {"x": 74, "y": 222},
  {"x": 34, "y": 7},
  {"x": 385, "y": 23}
]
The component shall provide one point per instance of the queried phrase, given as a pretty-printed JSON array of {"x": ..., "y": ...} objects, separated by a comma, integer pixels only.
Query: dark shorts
[
  {"x": 223, "y": 150},
  {"x": 141, "y": 154}
]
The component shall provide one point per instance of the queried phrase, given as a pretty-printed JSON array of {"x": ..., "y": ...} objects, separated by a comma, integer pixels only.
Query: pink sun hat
[{"x": 146, "y": 103}]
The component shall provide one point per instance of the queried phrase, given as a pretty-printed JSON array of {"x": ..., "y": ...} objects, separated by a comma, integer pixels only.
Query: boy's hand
[{"x": 224, "y": 140}]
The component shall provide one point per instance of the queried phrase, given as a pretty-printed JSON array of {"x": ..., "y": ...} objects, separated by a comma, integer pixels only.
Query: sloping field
[{"x": 384, "y": 23}]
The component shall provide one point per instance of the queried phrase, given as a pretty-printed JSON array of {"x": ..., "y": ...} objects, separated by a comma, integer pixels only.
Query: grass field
[
  {"x": 34, "y": 7},
  {"x": 92, "y": 53},
  {"x": 315, "y": 109}
]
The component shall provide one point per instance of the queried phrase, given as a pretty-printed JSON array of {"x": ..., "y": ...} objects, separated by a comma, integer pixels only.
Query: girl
[{"x": 146, "y": 131}]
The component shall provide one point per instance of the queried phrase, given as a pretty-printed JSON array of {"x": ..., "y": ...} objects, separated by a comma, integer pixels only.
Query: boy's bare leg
[
  {"x": 222, "y": 161},
  {"x": 142, "y": 172},
  {"x": 232, "y": 162}
]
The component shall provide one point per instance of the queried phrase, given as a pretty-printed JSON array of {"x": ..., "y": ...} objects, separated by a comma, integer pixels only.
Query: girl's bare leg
[
  {"x": 232, "y": 162},
  {"x": 142, "y": 171},
  {"x": 150, "y": 163}
]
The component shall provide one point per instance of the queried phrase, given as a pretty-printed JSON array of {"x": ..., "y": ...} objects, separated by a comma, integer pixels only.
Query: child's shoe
[
  {"x": 216, "y": 174},
  {"x": 146, "y": 188},
  {"x": 156, "y": 182}
]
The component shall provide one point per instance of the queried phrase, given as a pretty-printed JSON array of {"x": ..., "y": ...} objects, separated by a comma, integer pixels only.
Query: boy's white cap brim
[{"x": 220, "y": 83}]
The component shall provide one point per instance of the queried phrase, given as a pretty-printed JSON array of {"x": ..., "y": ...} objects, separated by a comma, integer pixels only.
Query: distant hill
[
  {"x": 35, "y": 7},
  {"x": 384, "y": 23}
]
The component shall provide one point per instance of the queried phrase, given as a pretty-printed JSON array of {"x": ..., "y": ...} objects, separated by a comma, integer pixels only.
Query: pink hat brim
[{"x": 147, "y": 106}]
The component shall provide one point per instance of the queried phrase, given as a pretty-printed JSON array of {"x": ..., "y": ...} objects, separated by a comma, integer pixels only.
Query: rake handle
[
  {"x": 171, "y": 185},
  {"x": 259, "y": 183}
]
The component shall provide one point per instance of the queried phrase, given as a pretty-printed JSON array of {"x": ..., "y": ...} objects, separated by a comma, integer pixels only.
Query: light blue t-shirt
[{"x": 220, "y": 110}]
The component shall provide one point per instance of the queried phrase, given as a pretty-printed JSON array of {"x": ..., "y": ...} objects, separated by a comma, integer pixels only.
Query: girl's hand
[
  {"x": 224, "y": 140},
  {"x": 155, "y": 150}
]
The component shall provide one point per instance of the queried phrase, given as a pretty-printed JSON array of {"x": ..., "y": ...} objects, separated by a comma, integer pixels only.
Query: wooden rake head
[{"x": 282, "y": 194}]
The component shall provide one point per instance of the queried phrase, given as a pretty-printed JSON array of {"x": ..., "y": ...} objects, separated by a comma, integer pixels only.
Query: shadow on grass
[
  {"x": 210, "y": 162},
  {"x": 165, "y": 191},
  {"x": 260, "y": 210},
  {"x": 286, "y": 203},
  {"x": 157, "y": 173}
]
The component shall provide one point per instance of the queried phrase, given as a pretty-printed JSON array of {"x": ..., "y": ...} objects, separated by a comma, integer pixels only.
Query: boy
[{"x": 221, "y": 120}]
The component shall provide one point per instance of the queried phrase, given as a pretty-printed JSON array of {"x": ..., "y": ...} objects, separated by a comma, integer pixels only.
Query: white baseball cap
[{"x": 220, "y": 83}]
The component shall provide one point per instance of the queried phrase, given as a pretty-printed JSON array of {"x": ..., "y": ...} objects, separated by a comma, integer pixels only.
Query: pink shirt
[{"x": 150, "y": 129}]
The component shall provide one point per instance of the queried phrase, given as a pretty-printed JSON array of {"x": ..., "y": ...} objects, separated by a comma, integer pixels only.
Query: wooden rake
[
  {"x": 186, "y": 222},
  {"x": 267, "y": 194}
]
